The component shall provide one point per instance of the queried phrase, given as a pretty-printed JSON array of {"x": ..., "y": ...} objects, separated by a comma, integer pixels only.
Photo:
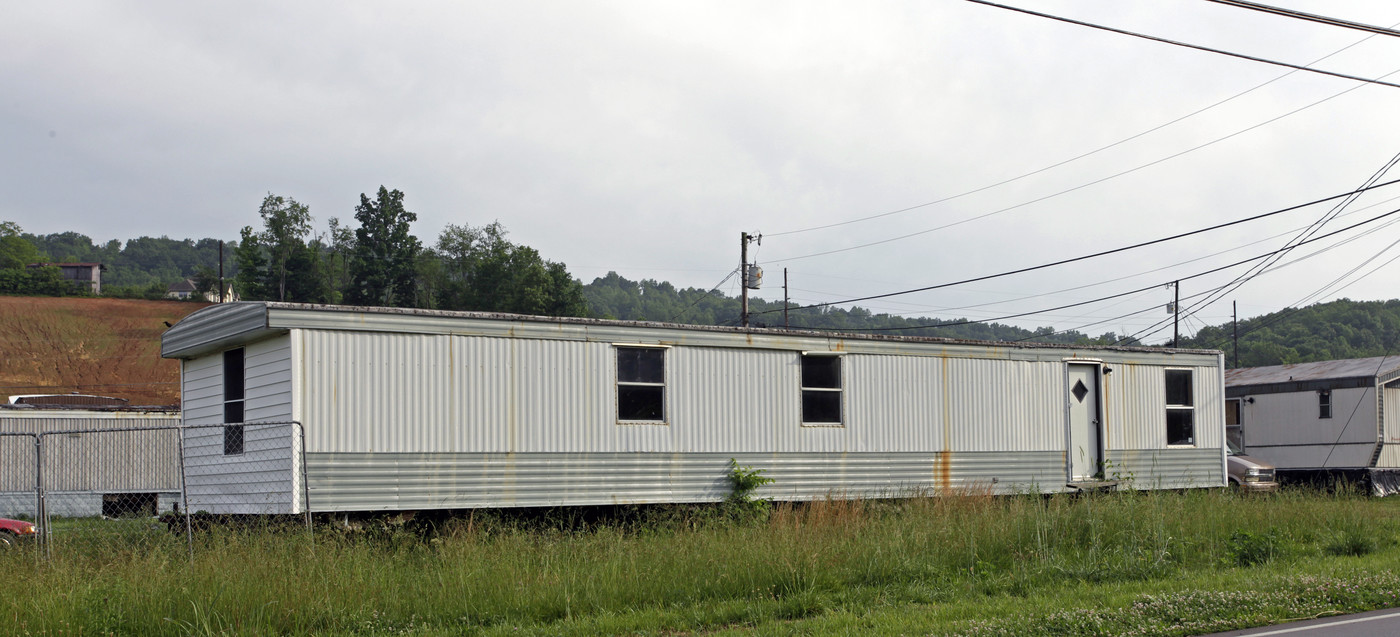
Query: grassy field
[{"x": 1157, "y": 563}]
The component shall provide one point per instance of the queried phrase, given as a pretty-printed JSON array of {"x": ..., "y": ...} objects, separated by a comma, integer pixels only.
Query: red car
[{"x": 11, "y": 531}]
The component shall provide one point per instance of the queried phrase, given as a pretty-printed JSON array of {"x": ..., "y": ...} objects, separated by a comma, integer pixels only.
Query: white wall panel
[
  {"x": 1003, "y": 405},
  {"x": 260, "y": 480},
  {"x": 1292, "y": 418}
]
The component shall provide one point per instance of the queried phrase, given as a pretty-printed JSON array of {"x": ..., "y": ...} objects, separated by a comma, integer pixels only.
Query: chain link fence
[{"x": 96, "y": 491}]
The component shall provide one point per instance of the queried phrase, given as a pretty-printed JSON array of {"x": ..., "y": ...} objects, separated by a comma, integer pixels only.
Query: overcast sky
[{"x": 644, "y": 137}]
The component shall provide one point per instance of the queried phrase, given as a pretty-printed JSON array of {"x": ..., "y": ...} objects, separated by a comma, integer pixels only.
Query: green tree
[
  {"x": 286, "y": 223},
  {"x": 206, "y": 282},
  {"x": 250, "y": 255},
  {"x": 383, "y": 264},
  {"x": 278, "y": 263},
  {"x": 16, "y": 252},
  {"x": 481, "y": 270}
]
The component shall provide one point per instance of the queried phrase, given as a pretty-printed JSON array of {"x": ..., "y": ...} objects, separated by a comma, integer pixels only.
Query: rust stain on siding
[{"x": 943, "y": 472}]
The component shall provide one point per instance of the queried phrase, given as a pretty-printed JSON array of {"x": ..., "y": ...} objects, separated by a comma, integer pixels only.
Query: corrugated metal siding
[
  {"x": 18, "y": 465},
  {"x": 398, "y": 393},
  {"x": 261, "y": 479},
  {"x": 97, "y": 461},
  {"x": 996, "y": 405},
  {"x": 1136, "y": 407},
  {"x": 1166, "y": 468},
  {"x": 1285, "y": 430},
  {"x": 1390, "y": 429},
  {"x": 366, "y": 482}
]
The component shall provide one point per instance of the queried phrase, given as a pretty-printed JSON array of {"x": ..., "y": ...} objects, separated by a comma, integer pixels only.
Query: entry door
[{"x": 1085, "y": 423}]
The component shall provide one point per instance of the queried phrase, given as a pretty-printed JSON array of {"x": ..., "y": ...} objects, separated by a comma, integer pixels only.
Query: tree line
[{"x": 378, "y": 261}]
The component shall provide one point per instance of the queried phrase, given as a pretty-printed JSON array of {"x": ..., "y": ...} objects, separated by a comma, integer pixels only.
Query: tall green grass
[{"x": 958, "y": 563}]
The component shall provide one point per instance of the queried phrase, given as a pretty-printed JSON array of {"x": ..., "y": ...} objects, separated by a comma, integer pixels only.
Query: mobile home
[
  {"x": 1335, "y": 417},
  {"x": 406, "y": 409},
  {"x": 95, "y": 460}
]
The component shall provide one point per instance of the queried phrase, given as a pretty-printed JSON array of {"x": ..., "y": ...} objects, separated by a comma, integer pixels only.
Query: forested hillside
[
  {"x": 477, "y": 268},
  {"x": 138, "y": 264},
  {"x": 1326, "y": 331},
  {"x": 616, "y": 297}
]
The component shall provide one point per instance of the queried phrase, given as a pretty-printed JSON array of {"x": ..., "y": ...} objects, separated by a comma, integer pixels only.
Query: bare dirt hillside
[{"x": 89, "y": 345}]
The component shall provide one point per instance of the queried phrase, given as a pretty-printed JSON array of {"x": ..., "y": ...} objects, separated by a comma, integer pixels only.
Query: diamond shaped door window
[{"x": 1079, "y": 391}]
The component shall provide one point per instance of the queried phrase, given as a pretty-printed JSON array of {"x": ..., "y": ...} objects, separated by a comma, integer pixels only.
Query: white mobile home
[
  {"x": 418, "y": 409},
  {"x": 1338, "y": 416},
  {"x": 95, "y": 460}
]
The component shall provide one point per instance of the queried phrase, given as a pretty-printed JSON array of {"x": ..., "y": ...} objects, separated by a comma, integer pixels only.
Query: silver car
[{"x": 1249, "y": 474}]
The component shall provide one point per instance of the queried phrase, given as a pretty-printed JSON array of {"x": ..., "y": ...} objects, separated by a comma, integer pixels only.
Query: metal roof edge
[
  {"x": 286, "y": 316},
  {"x": 213, "y": 328}
]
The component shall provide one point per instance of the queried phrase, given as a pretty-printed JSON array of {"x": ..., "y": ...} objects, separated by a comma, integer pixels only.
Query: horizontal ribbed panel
[
  {"x": 363, "y": 482},
  {"x": 1166, "y": 468}
]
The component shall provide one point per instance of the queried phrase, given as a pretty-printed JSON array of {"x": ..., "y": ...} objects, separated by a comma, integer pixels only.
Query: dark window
[
  {"x": 1181, "y": 412},
  {"x": 1324, "y": 404},
  {"x": 821, "y": 390},
  {"x": 641, "y": 384},
  {"x": 233, "y": 401}
]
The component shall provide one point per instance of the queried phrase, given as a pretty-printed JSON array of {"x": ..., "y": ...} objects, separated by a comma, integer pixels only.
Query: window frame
[
  {"x": 619, "y": 384},
  {"x": 1324, "y": 404},
  {"x": 235, "y": 399},
  {"x": 1188, "y": 408},
  {"x": 839, "y": 389}
]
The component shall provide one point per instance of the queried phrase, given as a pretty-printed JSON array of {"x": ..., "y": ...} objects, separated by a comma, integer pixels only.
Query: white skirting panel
[{"x": 415, "y": 481}]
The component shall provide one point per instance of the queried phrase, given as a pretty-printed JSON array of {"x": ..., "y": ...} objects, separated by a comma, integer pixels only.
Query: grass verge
[{"x": 1152, "y": 563}]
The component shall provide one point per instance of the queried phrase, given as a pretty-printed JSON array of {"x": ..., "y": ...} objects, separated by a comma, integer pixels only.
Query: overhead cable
[
  {"x": 1096, "y": 254},
  {"x": 1310, "y": 17},
  {"x": 1258, "y": 269},
  {"x": 1104, "y": 298},
  {"x": 1075, "y": 188},
  {"x": 1188, "y": 45},
  {"x": 1092, "y": 152}
]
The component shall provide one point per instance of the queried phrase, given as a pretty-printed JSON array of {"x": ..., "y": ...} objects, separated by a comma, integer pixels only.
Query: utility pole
[
  {"x": 1176, "y": 316},
  {"x": 744, "y": 275},
  {"x": 221, "y": 270},
  {"x": 785, "y": 299},
  {"x": 748, "y": 278}
]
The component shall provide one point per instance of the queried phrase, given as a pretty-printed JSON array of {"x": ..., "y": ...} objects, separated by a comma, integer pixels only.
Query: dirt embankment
[{"x": 89, "y": 345}]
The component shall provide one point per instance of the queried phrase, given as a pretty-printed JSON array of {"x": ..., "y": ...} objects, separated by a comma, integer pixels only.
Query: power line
[
  {"x": 1254, "y": 271},
  {"x": 1310, "y": 17},
  {"x": 1079, "y": 187},
  {"x": 704, "y": 296},
  {"x": 1197, "y": 47},
  {"x": 1104, "y": 298},
  {"x": 928, "y": 308},
  {"x": 1092, "y": 152},
  {"x": 1097, "y": 254}
]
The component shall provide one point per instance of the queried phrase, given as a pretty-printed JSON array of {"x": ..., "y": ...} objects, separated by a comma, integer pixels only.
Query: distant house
[
  {"x": 83, "y": 275},
  {"x": 1338, "y": 417},
  {"x": 182, "y": 289},
  {"x": 186, "y": 288}
]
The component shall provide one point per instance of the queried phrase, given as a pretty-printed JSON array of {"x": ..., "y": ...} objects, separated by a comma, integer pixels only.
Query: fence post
[
  {"x": 305, "y": 486},
  {"x": 185, "y": 494},
  {"x": 41, "y": 515}
]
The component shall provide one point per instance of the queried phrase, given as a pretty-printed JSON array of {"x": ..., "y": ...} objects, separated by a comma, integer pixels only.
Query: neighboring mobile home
[
  {"x": 97, "y": 460},
  {"x": 1337, "y": 417},
  {"x": 409, "y": 409}
]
